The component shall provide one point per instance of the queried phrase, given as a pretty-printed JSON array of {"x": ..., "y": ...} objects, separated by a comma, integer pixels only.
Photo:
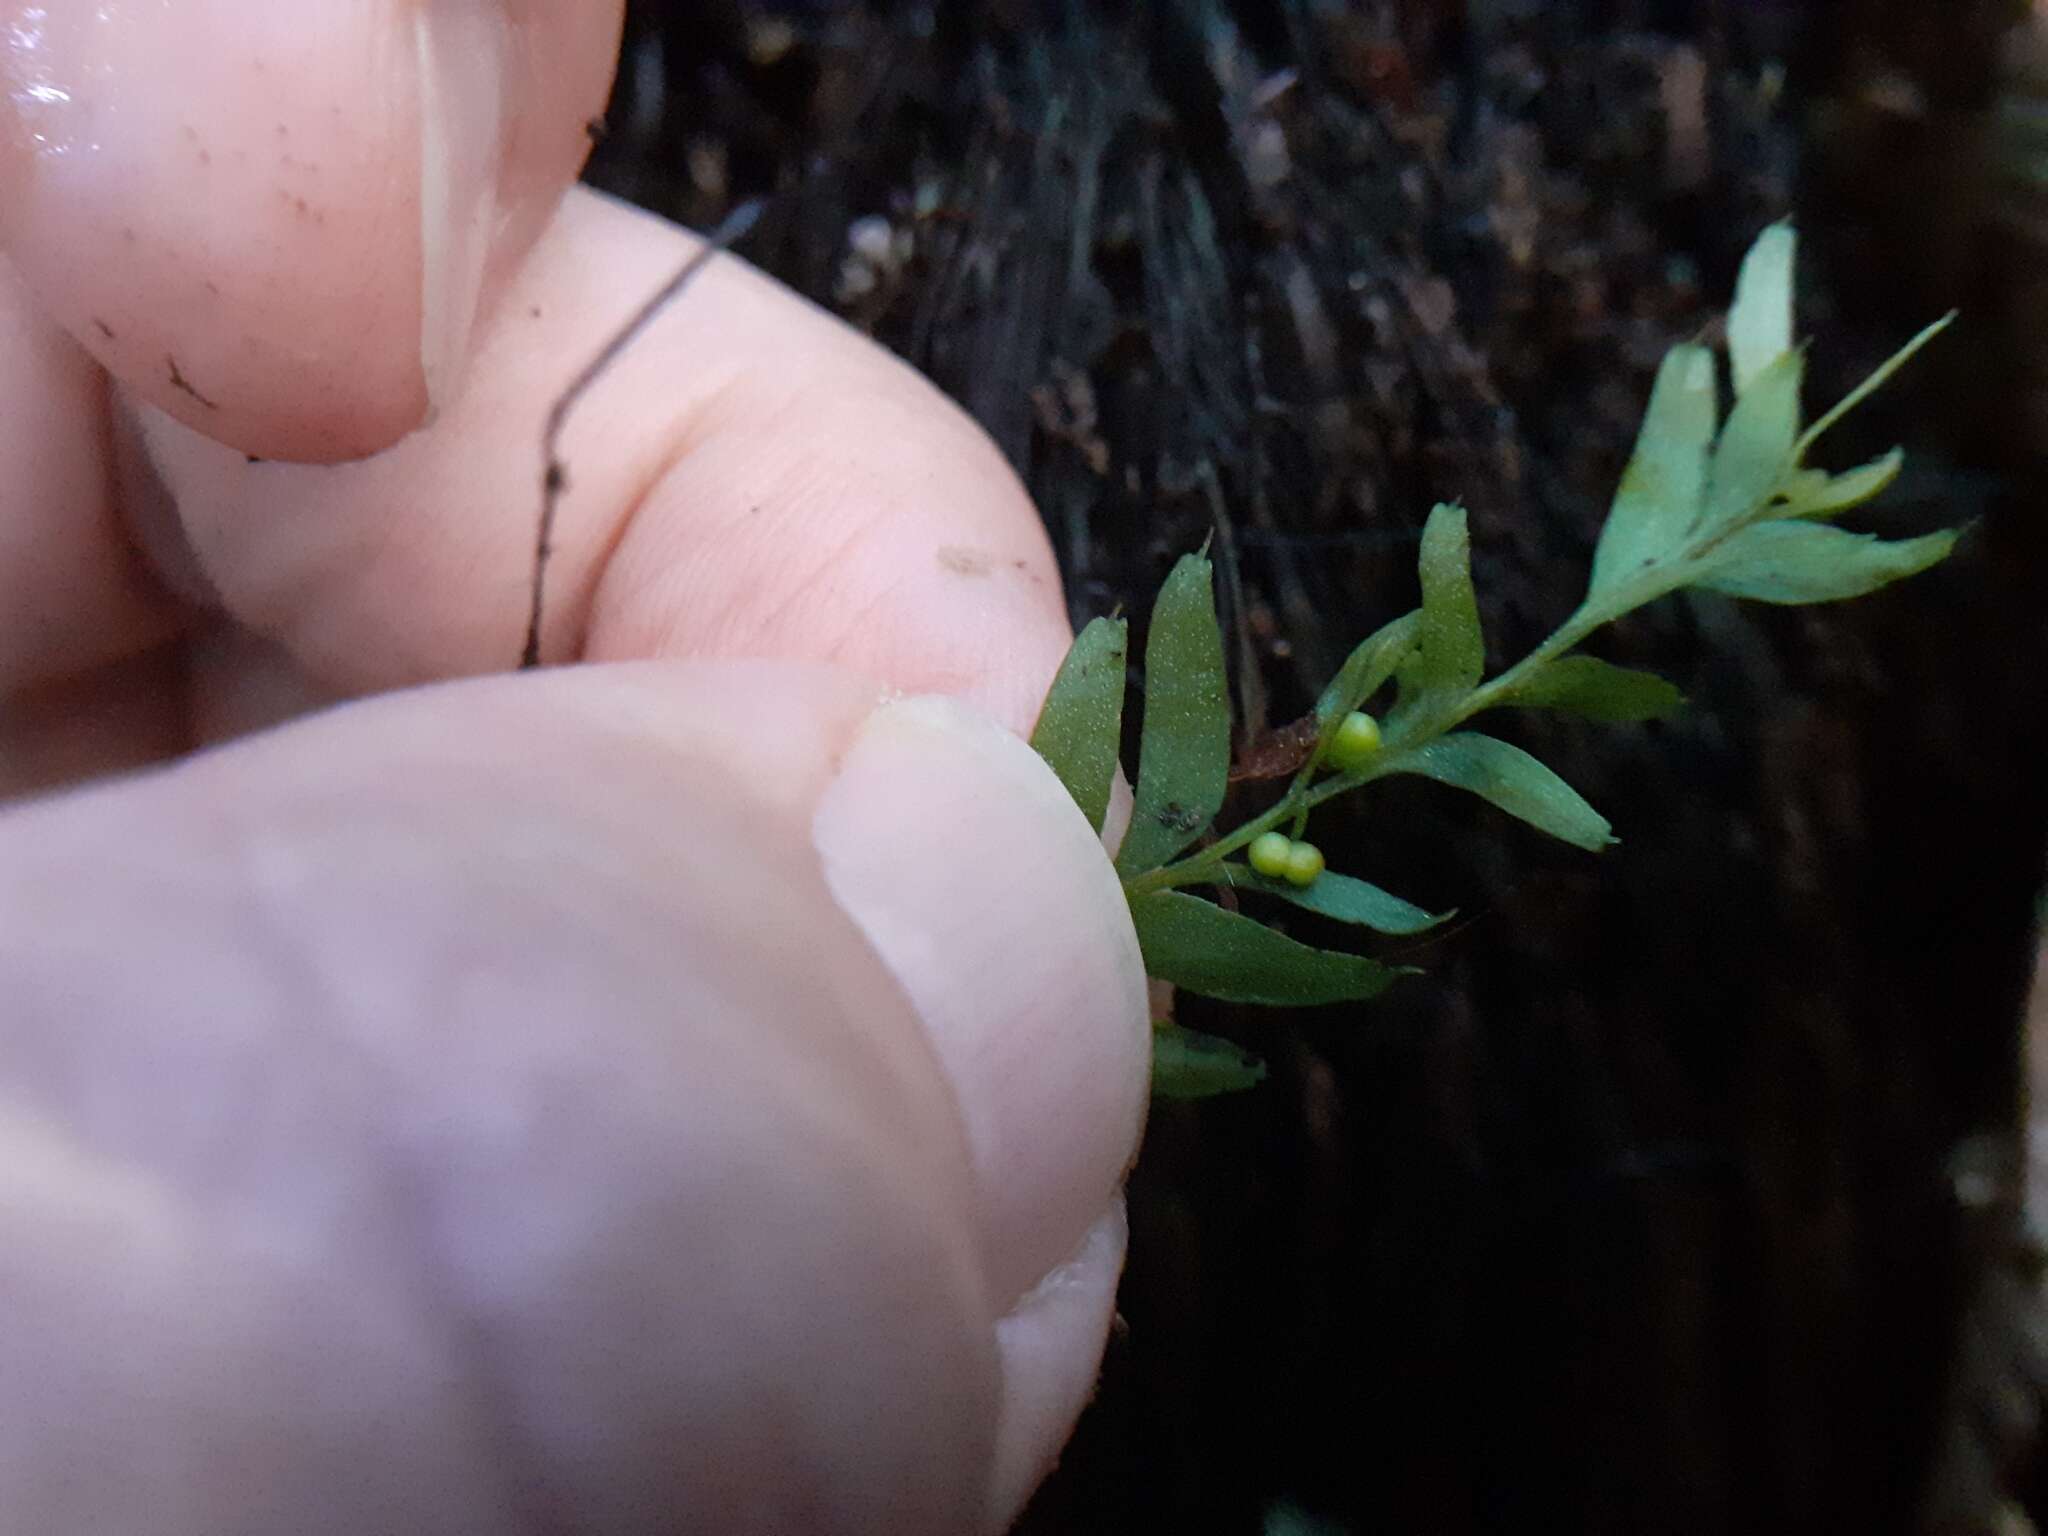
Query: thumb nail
[
  {"x": 463, "y": 65},
  {"x": 985, "y": 892}
]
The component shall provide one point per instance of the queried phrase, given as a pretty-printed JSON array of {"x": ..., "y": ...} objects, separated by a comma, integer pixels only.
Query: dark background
[{"x": 1677, "y": 1197}]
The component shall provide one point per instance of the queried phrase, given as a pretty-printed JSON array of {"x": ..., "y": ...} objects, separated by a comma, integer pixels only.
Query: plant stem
[{"x": 1406, "y": 738}]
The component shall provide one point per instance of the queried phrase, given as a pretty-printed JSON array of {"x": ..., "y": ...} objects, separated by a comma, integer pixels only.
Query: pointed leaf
[
  {"x": 1343, "y": 898},
  {"x": 1877, "y": 379},
  {"x": 1516, "y": 782},
  {"x": 1187, "y": 1064},
  {"x": 1811, "y": 493},
  {"x": 1760, "y": 322},
  {"x": 1665, "y": 484},
  {"x": 1758, "y": 447},
  {"x": 1080, "y": 728},
  {"x": 1367, "y": 668},
  {"x": 1801, "y": 483},
  {"x": 1197, "y": 945},
  {"x": 1184, "y": 753},
  {"x": 1787, "y": 562},
  {"x": 1364, "y": 673},
  {"x": 1596, "y": 690},
  {"x": 1451, "y": 653}
]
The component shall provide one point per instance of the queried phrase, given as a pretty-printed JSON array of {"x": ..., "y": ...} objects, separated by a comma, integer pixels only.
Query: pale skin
[{"x": 688, "y": 1091}]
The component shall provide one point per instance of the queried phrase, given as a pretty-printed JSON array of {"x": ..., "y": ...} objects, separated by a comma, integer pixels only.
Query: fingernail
[
  {"x": 988, "y": 896},
  {"x": 462, "y": 80},
  {"x": 1050, "y": 1345}
]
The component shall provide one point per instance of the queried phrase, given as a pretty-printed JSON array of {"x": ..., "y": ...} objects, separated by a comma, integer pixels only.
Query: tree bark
[{"x": 1654, "y": 1205}]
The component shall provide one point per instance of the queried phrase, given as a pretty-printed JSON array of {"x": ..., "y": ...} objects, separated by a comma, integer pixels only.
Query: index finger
[{"x": 278, "y": 224}]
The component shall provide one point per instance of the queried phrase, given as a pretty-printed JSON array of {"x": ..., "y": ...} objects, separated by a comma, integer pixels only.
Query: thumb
[
  {"x": 963, "y": 861},
  {"x": 641, "y": 1098}
]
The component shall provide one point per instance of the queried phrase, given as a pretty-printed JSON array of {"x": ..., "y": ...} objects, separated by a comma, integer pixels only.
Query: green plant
[{"x": 1721, "y": 506}]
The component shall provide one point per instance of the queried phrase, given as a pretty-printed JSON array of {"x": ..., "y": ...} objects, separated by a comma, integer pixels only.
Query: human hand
[{"x": 687, "y": 1093}]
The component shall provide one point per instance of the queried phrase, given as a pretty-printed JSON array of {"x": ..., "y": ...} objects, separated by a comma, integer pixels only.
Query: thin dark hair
[{"x": 554, "y": 478}]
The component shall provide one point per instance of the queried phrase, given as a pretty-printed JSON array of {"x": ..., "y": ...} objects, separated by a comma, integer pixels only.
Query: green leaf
[
  {"x": 1080, "y": 728},
  {"x": 1871, "y": 385},
  {"x": 1665, "y": 484},
  {"x": 1198, "y": 946},
  {"x": 1758, "y": 447},
  {"x": 1187, "y": 1064},
  {"x": 1596, "y": 690},
  {"x": 1366, "y": 669},
  {"x": 1450, "y": 656},
  {"x": 1342, "y": 897},
  {"x": 1516, "y": 782},
  {"x": 1787, "y": 562},
  {"x": 1813, "y": 493},
  {"x": 1760, "y": 321},
  {"x": 1184, "y": 753},
  {"x": 1364, "y": 673}
]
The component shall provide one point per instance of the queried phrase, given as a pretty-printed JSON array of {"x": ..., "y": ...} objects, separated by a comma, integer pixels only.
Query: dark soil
[{"x": 1657, "y": 1204}]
